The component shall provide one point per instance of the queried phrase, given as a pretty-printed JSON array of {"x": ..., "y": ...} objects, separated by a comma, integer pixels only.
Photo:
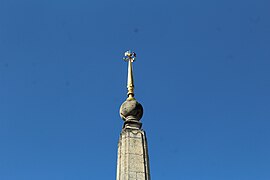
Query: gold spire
[{"x": 130, "y": 57}]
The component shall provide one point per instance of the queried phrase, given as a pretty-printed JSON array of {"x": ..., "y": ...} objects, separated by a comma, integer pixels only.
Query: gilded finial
[{"x": 130, "y": 58}]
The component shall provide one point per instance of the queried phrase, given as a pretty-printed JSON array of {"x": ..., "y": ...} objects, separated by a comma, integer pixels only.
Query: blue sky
[{"x": 202, "y": 75}]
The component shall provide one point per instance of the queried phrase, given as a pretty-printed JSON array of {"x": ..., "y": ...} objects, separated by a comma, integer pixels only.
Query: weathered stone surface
[
  {"x": 133, "y": 162},
  {"x": 131, "y": 110}
]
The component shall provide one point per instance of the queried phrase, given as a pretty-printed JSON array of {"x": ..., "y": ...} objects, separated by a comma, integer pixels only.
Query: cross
[{"x": 130, "y": 56}]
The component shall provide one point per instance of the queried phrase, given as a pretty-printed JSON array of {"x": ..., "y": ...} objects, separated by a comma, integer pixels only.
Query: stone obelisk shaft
[{"x": 133, "y": 161}]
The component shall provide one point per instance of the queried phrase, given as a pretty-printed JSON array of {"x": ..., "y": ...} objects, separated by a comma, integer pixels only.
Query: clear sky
[{"x": 202, "y": 75}]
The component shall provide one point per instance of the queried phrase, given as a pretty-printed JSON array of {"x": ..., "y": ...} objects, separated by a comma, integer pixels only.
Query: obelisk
[{"x": 133, "y": 160}]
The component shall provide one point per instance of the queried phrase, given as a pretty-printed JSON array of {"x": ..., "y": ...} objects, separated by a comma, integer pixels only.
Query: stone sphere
[{"x": 131, "y": 110}]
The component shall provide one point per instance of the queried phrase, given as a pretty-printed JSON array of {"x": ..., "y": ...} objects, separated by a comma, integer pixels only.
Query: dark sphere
[{"x": 131, "y": 110}]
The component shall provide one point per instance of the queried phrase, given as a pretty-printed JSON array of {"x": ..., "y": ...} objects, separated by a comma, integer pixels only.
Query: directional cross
[{"x": 130, "y": 56}]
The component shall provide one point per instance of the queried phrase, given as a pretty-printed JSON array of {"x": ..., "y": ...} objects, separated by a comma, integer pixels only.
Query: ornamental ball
[{"x": 131, "y": 110}]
